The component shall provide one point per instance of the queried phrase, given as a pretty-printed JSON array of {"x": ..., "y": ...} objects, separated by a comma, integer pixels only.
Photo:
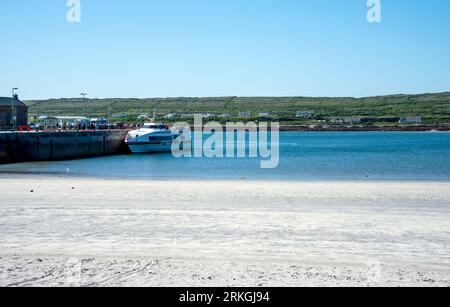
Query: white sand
[{"x": 100, "y": 232}]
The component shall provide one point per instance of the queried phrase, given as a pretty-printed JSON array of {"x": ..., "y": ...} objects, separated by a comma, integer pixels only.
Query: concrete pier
[{"x": 46, "y": 146}]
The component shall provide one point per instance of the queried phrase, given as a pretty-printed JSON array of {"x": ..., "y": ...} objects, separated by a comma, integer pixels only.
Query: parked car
[{"x": 100, "y": 124}]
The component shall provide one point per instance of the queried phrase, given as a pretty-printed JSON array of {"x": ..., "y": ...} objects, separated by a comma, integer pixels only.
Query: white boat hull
[{"x": 152, "y": 138}]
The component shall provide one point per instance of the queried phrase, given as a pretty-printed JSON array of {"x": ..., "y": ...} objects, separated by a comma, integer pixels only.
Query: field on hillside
[{"x": 433, "y": 108}]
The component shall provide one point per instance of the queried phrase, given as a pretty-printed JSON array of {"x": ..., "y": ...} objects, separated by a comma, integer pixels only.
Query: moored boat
[{"x": 151, "y": 138}]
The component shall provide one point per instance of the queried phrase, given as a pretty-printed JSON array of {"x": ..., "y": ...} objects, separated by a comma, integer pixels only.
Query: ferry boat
[{"x": 151, "y": 138}]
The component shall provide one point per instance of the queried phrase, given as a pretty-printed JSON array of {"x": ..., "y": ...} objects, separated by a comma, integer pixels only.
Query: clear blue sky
[{"x": 172, "y": 48}]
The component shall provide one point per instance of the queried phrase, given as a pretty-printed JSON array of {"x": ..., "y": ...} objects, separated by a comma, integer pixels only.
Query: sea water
[{"x": 303, "y": 156}]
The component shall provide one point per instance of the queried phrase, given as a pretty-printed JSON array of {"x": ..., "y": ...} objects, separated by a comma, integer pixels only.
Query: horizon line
[{"x": 244, "y": 96}]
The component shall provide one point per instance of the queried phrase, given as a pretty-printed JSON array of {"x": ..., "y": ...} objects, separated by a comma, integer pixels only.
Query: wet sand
[{"x": 59, "y": 231}]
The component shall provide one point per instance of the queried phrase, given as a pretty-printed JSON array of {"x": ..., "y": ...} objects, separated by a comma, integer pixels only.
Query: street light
[
  {"x": 13, "y": 119},
  {"x": 84, "y": 103}
]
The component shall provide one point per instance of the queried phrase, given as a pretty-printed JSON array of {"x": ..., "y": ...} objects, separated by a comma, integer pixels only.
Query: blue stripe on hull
[{"x": 149, "y": 148}]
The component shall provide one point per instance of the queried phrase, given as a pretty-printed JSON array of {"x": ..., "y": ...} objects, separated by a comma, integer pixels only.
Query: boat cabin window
[{"x": 154, "y": 126}]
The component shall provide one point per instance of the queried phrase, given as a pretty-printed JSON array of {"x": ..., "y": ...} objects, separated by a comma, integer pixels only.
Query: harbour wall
[{"x": 47, "y": 146}]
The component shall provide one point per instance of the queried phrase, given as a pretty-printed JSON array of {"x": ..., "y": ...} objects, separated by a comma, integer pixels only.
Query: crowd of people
[{"x": 81, "y": 126}]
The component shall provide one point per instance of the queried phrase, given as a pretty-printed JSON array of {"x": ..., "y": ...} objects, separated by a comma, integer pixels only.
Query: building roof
[
  {"x": 6, "y": 101},
  {"x": 73, "y": 118}
]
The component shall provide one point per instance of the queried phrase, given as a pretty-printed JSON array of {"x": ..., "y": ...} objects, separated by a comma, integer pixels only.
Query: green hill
[{"x": 433, "y": 108}]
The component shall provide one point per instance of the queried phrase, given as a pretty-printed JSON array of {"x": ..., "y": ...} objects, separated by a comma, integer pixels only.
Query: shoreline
[
  {"x": 313, "y": 128},
  {"x": 222, "y": 233},
  {"x": 65, "y": 176},
  {"x": 287, "y": 128}
]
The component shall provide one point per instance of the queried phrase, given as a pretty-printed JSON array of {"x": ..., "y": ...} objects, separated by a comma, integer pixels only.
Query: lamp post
[
  {"x": 13, "y": 120},
  {"x": 108, "y": 116},
  {"x": 84, "y": 103}
]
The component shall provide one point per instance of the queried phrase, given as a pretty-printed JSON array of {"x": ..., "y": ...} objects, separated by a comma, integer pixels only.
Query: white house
[
  {"x": 411, "y": 120},
  {"x": 170, "y": 116},
  {"x": 245, "y": 114},
  {"x": 305, "y": 114},
  {"x": 352, "y": 120},
  {"x": 264, "y": 114},
  {"x": 336, "y": 120},
  {"x": 143, "y": 116},
  {"x": 346, "y": 120},
  {"x": 209, "y": 115}
]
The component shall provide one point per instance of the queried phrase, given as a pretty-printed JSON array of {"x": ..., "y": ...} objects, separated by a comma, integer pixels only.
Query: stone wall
[{"x": 44, "y": 146}]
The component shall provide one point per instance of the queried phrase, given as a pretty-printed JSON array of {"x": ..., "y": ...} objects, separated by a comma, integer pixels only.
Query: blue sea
[{"x": 303, "y": 156}]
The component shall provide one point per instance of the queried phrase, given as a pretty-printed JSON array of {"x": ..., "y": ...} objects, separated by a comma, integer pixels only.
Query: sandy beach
[{"x": 61, "y": 231}]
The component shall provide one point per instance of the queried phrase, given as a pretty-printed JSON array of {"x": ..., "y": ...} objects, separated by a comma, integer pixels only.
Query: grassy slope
[{"x": 434, "y": 108}]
